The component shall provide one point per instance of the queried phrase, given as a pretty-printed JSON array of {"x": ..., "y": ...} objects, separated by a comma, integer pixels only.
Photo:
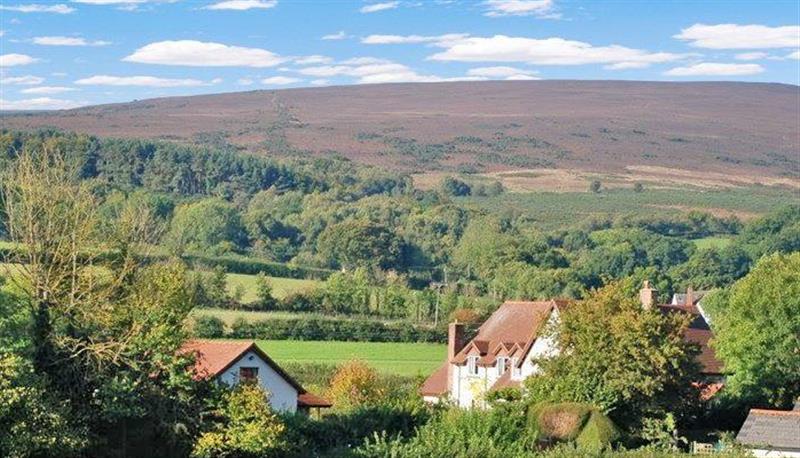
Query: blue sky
[{"x": 61, "y": 54}]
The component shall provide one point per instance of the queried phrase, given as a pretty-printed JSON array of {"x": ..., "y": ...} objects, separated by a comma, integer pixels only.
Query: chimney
[
  {"x": 647, "y": 295},
  {"x": 455, "y": 339},
  {"x": 689, "y": 297}
]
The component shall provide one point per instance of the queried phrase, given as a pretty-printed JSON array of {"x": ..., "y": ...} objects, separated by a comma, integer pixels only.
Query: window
[
  {"x": 515, "y": 371},
  {"x": 501, "y": 365},
  {"x": 248, "y": 374},
  {"x": 472, "y": 365}
]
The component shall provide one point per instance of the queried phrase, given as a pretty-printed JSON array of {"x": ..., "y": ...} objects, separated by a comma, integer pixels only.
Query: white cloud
[
  {"x": 203, "y": 54},
  {"x": 280, "y": 80},
  {"x": 242, "y": 5},
  {"x": 67, "y": 41},
  {"x": 244, "y": 81},
  {"x": 370, "y": 70},
  {"x": 626, "y": 65},
  {"x": 47, "y": 90},
  {"x": 734, "y": 36},
  {"x": 542, "y": 8},
  {"x": 27, "y": 80},
  {"x": 406, "y": 39},
  {"x": 340, "y": 35},
  {"x": 38, "y": 8},
  {"x": 548, "y": 51},
  {"x": 2, "y": 32},
  {"x": 716, "y": 69},
  {"x": 320, "y": 82},
  {"x": 794, "y": 55},
  {"x": 39, "y": 103},
  {"x": 375, "y": 7},
  {"x": 12, "y": 60},
  {"x": 751, "y": 56},
  {"x": 148, "y": 81},
  {"x": 312, "y": 60},
  {"x": 216, "y": 80},
  {"x": 502, "y": 72}
]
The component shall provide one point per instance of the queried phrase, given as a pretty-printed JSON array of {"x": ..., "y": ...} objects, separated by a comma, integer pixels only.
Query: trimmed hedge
[
  {"x": 251, "y": 266},
  {"x": 354, "y": 330}
]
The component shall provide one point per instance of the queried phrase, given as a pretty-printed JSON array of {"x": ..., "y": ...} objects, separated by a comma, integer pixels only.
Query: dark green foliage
[
  {"x": 777, "y": 232},
  {"x": 355, "y": 243},
  {"x": 208, "y": 327},
  {"x": 353, "y": 329},
  {"x": 208, "y": 225},
  {"x": 595, "y": 186},
  {"x": 455, "y": 187}
]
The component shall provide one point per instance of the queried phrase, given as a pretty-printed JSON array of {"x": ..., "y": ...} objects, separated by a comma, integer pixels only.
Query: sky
[{"x": 69, "y": 53}]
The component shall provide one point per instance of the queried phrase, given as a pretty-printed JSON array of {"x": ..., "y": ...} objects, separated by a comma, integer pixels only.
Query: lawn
[
  {"x": 281, "y": 287},
  {"x": 388, "y": 357}
]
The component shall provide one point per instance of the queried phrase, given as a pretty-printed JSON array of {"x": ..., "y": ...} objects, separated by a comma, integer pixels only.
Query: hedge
[{"x": 356, "y": 330}]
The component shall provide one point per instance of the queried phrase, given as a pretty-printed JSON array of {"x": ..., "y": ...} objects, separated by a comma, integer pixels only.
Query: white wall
[
  {"x": 775, "y": 453},
  {"x": 283, "y": 395},
  {"x": 544, "y": 346}
]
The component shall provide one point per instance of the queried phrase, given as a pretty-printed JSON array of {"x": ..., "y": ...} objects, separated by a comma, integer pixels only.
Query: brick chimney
[
  {"x": 455, "y": 342},
  {"x": 455, "y": 339},
  {"x": 647, "y": 295},
  {"x": 689, "y": 297}
]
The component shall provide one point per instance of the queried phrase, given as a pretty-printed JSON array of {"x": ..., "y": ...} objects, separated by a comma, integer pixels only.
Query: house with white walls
[
  {"x": 506, "y": 347},
  {"x": 232, "y": 362},
  {"x": 772, "y": 433}
]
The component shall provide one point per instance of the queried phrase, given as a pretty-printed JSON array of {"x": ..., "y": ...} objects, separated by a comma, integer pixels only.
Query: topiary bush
[{"x": 581, "y": 424}]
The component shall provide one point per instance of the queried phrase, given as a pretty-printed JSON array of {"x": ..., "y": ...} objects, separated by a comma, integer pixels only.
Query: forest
[{"x": 112, "y": 245}]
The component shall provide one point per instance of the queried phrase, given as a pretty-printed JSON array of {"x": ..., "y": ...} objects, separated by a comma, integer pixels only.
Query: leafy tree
[
  {"x": 757, "y": 332},
  {"x": 209, "y": 224},
  {"x": 208, "y": 327},
  {"x": 455, "y": 187},
  {"x": 356, "y": 243},
  {"x": 646, "y": 366},
  {"x": 245, "y": 426},
  {"x": 776, "y": 232},
  {"x": 712, "y": 268},
  {"x": 355, "y": 384},
  {"x": 266, "y": 301},
  {"x": 595, "y": 186},
  {"x": 638, "y": 187}
]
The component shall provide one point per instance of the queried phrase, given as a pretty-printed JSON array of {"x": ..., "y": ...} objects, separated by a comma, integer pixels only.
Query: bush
[
  {"x": 581, "y": 424},
  {"x": 208, "y": 327},
  {"x": 316, "y": 328}
]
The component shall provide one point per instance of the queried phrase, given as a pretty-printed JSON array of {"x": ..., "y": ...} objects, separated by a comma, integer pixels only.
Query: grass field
[
  {"x": 552, "y": 210},
  {"x": 712, "y": 242},
  {"x": 388, "y": 357},
  {"x": 281, "y": 287}
]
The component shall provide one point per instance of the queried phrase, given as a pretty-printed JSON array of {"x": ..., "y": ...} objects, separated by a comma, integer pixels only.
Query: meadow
[
  {"x": 552, "y": 211},
  {"x": 281, "y": 287},
  {"x": 407, "y": 359}
]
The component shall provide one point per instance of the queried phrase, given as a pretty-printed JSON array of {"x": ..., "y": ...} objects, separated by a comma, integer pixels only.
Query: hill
[{"x": 558, "y": 132}]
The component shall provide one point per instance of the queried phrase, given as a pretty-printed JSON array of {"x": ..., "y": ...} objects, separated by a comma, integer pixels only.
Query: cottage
[
  {"x": 232, "y": 362},
  {"x": 503, "y": 352},
  {"x": 772, "y": 433}
]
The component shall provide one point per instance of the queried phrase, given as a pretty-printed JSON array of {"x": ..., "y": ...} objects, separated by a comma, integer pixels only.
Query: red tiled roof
[
  {"x": 312, "y": 400},
  {"x": 513, "y": 324},
  {"x": 436, "y": 383},
  {"x": 505, "y": 382},
  {"x": 213, "y": 357},
  {"x": 699, "y": 332}
]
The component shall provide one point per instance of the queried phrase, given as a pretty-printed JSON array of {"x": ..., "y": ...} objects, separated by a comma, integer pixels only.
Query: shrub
[
  {"x": 582, "y": 424},
  {"x": 355, "y": 383},
  {"x": 208, "y": 327},
  {"x": 317, "y": 328}
]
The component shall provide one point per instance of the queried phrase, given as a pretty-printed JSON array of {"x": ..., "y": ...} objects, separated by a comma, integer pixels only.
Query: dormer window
[
  {"x": 472, "y": 365},
  {"x": 502, "y": 364}
]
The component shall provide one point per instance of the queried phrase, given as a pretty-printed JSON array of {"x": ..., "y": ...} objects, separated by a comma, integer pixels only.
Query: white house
[
  {"x": 232, "y": 362},
  {"x": 503, "y": 352},
  {"x": 772, "y": 433}
]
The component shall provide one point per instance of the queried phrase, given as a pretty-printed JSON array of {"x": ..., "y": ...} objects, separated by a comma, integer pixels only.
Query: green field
[
  {"x": 281, "y": 287},
  {"x": 388, "y": 357},
  {"x": 552, "y": 210},
  {"x": 712, "y": 242}
]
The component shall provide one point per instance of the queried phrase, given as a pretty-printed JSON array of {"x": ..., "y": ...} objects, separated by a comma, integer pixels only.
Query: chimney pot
[
  {"x": 689, "y": 297},
  {"x": 647, "y": 295}
]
